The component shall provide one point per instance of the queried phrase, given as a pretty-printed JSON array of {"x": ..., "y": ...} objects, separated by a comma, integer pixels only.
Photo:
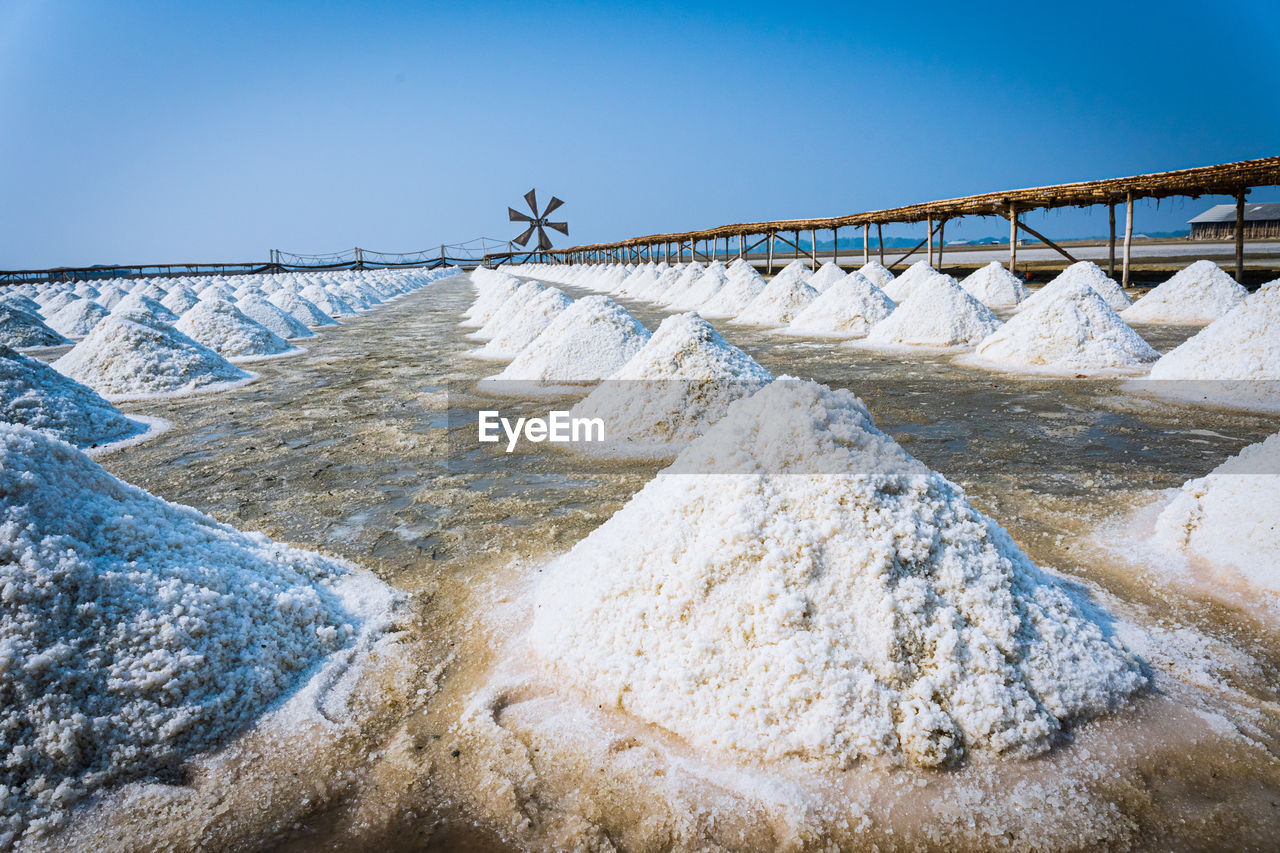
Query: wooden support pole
[
  {"x": 1043, "y": 239},
  {"x": 866, "y": 242},
  {"x": 1013, "y": 239},
  {"x": 1128, "y": 235},
  {"x": 942, "y": 229},
  {"x": 768, "y": 270},
  {"x": 909, "y": 253},
  {"x": 1111, "y": 241},
  {"x": 1240, "y": 235},
  {"x": 795, "y": 244},
  {"x": 813, "y": 245},
  {"x": 835, "y": 246},
  {"x": 742, "y": 245},
  {"x": 880, "y": 240},
  {"x": 929, "y": 238}
]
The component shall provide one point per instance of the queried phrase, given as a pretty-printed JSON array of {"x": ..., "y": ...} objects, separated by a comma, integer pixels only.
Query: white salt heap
[
  {"x": 139, "y": 303},
  {"x": 587, "y": 341},
  {"x": 275, "y": 319},
  {"x": 1198, "y": 294},
  {"x": 827, "y": 275},
  {"x": 734, "y": 296},
  {"x": 20, "y": 329},
  {"x": 901, "y": 287},
  {"x": 77, "y": 319},
  {"x": 17, "y": 300},
  {"x": 779, "y": 303},
  {"x": 511, "y": 334},
  {"x": 994, "y": 286},
  {"x": 1072, "y": 332},
  {"x": 509, "y": 310},
  {"x": 877, "y": 273},
  {"x": 679, "y": 384},
  {"x": 219, "y": 325},
  {"x": 1092, "y": 275},
  {"x": 1230, "y": 519},
  {"x": 301, "y": 309},
  {"x": 700, "y": 289},
  {"x": 796, "y": 585},
  {"x": 135, "y": 633},
  {"x": 1234, "y": 361},
  {"x": 326, "y": 300},
  {"x": 129, "y": 355},
  {"x": 846, "y": 309},
  {"x": 938, "y": 313},
  {"x": 180, "y": 299},
  {"x": 35, "y": 395}
]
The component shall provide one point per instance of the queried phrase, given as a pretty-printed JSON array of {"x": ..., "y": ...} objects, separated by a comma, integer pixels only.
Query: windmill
[{"x": 538, "y": 221}]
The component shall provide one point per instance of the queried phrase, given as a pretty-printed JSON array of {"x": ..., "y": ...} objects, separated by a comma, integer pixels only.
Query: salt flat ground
[{"x": 347, "y": 449}]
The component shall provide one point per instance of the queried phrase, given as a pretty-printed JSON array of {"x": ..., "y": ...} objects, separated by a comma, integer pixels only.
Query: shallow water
[{"x": 347, "y": 449}]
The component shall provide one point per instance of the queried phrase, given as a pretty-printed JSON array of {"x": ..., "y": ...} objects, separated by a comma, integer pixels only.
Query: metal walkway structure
[{"x": 1231, "y": 179}]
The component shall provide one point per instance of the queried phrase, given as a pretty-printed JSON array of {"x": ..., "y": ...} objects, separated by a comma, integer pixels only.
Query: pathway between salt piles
[{"x": 355, "y": 448}]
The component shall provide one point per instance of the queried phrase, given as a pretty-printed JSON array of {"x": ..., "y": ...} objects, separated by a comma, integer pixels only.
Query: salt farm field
[{"x": 344, "y": 449}]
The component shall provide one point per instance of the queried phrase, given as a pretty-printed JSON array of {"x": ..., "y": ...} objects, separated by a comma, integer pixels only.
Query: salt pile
[
  {"x": 56, "y": 301},
  {"x": 779, "y": 303},
  {"x": 129, "y": 355},
  {"x": 136, "y": 633},
  {"x": 138, "y": 302},
  {"x": 700, "y": 290},
  {"x": 301, "y": 309},
  {"x": 22, "y": 303},
  {"x": 327, "y": 301},
  {"x": 1199, "y": 294},
  {"x": 1234, "y": 361},
  {"x": 511, "y": 308},
  {"x": 493, "y": 289},
  {"x": 937, "y": 314},
  {"x": 180, "y": 299},
  {"x": 679, "y": 384},
  {"x": 731, "y": 299},
  {"x": 1073, "y": 331},
  {"x": 1231, "y": 518},
  {"x": 219, "y": 325},
  {"x": 276, "y": 320},
  {"x": 110, "y": 295},
  {"x": 77, "y": 319},
  {"x": 520, "y": 329},
  {"x": 588, "y": 341},
  {"x": 846, "y": 309},
  {"x": 827, "y": 275},
  {"x": 1092, "y": 275},
  {"x": 901, "y": 287},
  {"x": 994, "y": 286},
  {"x": 35, "y": 395},
  {"x": 877, "y": 273},
  {"x": 20, "y": 329},
  {"x": 796, "y": 585}
]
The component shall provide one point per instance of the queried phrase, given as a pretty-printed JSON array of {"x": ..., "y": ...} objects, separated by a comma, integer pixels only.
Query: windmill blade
[
  {"x": 544, "y": 242},
  {"x": 523, "y": 239},
  {"x": 531, "y": 197},
  {"x": 552, "y": 205},
  {"x": 516, "y": 216},
  {"x": 562, "y": 227}
]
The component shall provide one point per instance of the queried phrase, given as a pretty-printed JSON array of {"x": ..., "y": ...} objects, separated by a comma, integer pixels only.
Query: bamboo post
[
  {"x": 795, "y": 242},
  {"x": 1111, "y": 242},
  {"x": 813, "y": 245},
  {"x": 866, "y": 242},
  {"x": 835, "y": 246},
  {"x": 880, "y": 241},
  {"x": 742, "y": 245},
  {"x": 1013, "y": 239},
  {"x": 1128, "y": 235},
  {"x": 1240, "y": 236},
  {"x": 768, "y": 270},
  {"x": 929, "y": 221},
  {"x": 942, "y": 232}
]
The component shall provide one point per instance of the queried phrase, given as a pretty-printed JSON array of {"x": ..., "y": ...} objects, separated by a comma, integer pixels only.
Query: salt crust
[
  {"x": 795, "y": 584},
  {"x": 35, "y": 395},
  {"x": 1231, "y": 517},
  {"x": 846, "y": 309},
  {"x": 675, "y": 387},
  {"x": 938, "y": 313},
  {"x": 1195, "y": 295},
  {"x": 131, "y": 356},
  {"x": 22, "y": 330},
  {"x": 586, "y": 342},
  {"x": 1071, "y": 332},
  {"x": 994, "y": 286},
  {"x": 136, "y": 633},
  {"x": 219, "y": 325}
]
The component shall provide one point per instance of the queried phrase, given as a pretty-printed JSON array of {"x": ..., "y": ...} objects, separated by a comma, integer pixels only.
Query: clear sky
[{"x": 146, "y": 132}]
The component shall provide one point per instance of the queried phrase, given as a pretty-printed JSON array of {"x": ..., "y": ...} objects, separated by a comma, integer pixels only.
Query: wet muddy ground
[{"x": 347, "y": 449}]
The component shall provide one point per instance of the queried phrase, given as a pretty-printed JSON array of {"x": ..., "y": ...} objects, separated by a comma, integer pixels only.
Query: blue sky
[{"x": 146, "y": 132}]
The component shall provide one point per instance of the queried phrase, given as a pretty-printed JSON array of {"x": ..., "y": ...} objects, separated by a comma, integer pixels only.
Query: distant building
[{"x": 1219, "y": 222}]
